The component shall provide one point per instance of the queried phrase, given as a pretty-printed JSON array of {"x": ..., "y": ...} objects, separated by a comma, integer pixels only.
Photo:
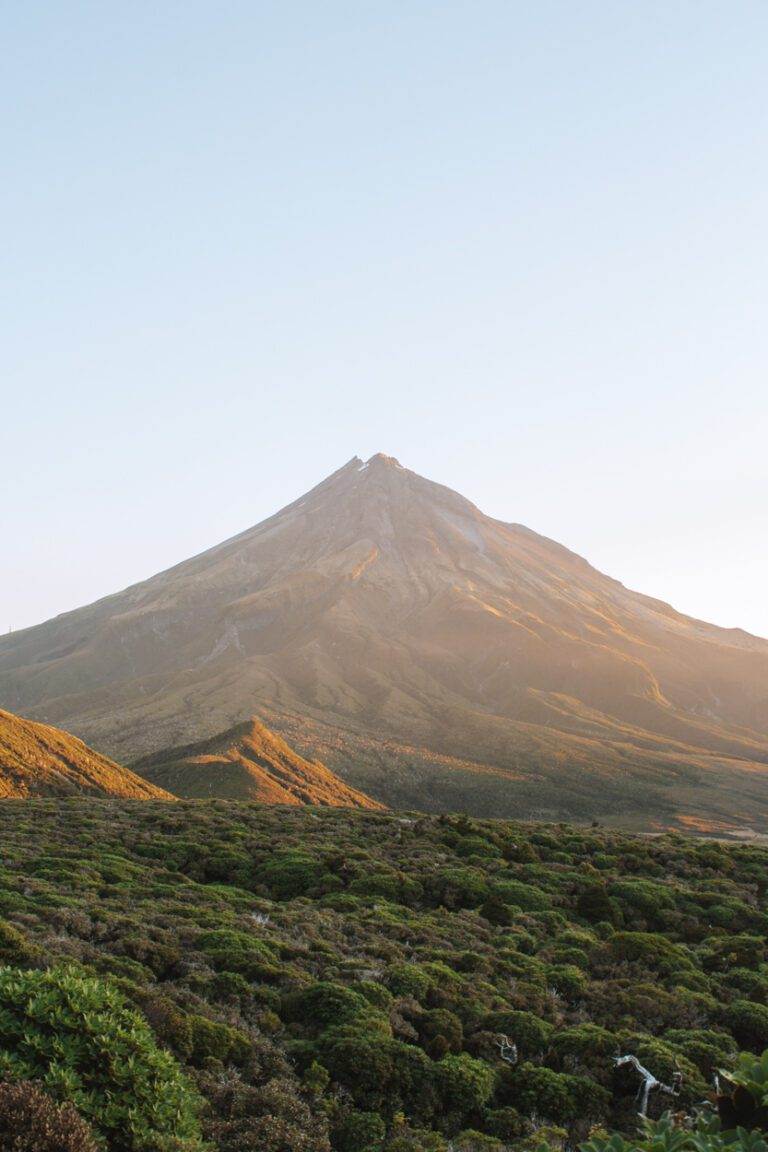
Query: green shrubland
[{"x": 233, "y": 976}]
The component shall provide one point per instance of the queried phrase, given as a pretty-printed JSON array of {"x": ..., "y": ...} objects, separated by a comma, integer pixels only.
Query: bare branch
[
  {"x": 649, "y": 1083},
  {"x": 507, "y": 1049}
]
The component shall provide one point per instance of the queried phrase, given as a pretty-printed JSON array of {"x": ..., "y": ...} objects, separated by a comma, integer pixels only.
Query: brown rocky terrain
[
  {"x": 36, "y": 760},
  {"x": 248, "y": 762},
  {"x": 432, "y": 656}
]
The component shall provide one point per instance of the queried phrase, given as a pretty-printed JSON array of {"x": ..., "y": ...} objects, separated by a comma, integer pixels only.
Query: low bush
[
  {"x": 31, "y": 1121},
  {"x": 78, "y": 1036}
]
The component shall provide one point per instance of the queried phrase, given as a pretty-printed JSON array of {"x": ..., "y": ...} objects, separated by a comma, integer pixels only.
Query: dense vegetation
[{"x": 277, "y": 978}]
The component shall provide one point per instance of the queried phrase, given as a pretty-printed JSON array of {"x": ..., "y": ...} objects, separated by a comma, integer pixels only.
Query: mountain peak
[
  {"x": 433, "y": 656},
  {"x": 380, "y": 459}
]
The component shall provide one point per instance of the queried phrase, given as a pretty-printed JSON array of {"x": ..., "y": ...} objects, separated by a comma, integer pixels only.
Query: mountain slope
[
  {"x": 248, "y": 762},
  {"x": 434, "y": 657},
  {"x": 36, "y": 760}
]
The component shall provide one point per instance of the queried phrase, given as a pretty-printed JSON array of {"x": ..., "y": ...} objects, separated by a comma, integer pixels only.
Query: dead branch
[{"x": 649, "y": 1083}]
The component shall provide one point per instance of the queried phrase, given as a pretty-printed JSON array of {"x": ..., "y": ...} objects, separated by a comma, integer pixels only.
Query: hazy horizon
[{"x": 521, "y": 250}]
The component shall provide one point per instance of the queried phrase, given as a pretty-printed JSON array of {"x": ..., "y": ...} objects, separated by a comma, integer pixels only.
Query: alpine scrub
[
  {"x": 81, "y": 1040},
  {"x": 299, "y": 979}
]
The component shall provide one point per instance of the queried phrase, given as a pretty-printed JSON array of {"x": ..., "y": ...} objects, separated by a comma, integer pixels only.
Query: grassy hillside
[
  {"x": 38, "y": 760},
  {"x": 248, "y": 762},
  {"x": 320, "y": 973}
]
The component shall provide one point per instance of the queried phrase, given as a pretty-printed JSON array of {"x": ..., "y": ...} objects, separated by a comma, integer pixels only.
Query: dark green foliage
[
  {"x": 310, "y": 968},
  {"x": 465, "y": 1084},
  {"x": 31, "y": 1121},
  {"x": 408, "y": 980},
  {"x": 360, "y": 1132},
  {"x": 325, "y": 1005},
  {"x": 530, "y": 1033},
  {"x": 291, "y": 874},
  {"x": 440, "y": 1032},
  {"x": 237, "y": 952},
  {"x": 749, "y": 1024},
  {"x": 557, "y": 1096},
  {"x": 594, "y": 903}
]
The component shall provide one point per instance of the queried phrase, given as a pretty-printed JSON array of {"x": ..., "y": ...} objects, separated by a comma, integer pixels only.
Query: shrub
[
  {"x": 593, "y": 903},
  {"x": 362, "y": 1064},
  {"x": 270, "y": 1117},
  {"x": 325, "y": 1005},
  {"x": 15, "y": 949},
  {"x": 238, "y": 952},
  {"x": 212, "y": 1040},
  {"x": 559, "y": 1097},
  {"x": 458, "y": 888},
  {"x": 652, "y": 950},
  {"x": 440, "y": 1032},
  {"x": 360, "y": 1131},
  {"x": 473, "y": 1141},
  {"x": 407, "y": 980},
  {"x": 528, "y": 1032},
  {"x": 30, "y": 1121},
  {"x": 525, "y": 896},
  {"x": 743, "y": 1099},
  {"x": 465, "y": 1084},
  {"x": 291, "y": 874},
  {"x": 749, "y": 1024},
  {"x": 79, "y": 1037}
]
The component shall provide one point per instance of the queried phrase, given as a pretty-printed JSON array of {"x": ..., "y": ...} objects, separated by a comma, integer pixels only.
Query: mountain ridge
[
  {"x": 39, "y": 760},
  {"x": 385, "y": 625},
  {"x": 248, "y": 762}
]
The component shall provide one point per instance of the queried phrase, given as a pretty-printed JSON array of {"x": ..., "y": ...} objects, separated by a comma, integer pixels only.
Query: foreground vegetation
[{"x": 275, "y": 979}]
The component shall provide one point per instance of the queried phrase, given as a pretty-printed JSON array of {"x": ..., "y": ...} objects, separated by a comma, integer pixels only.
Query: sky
[{"x": 521, "y": 247}]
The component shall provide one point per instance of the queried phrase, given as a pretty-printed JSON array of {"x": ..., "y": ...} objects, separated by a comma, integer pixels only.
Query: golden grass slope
[
  {"x": 37, "y": 760},
  {"x": 249, "y": 762}
]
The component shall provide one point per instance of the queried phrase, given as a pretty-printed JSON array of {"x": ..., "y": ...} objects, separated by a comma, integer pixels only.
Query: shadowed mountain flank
[{"x": 433, "y": 657}]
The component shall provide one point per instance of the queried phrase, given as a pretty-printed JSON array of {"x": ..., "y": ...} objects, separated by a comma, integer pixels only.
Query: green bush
[
  {"x": 15, "y": 949},
  {"x": 291, "y": 874},
  {"x": 526, "y": 1030},
  {"x": 407, "y": 980},
  {"x": 78, "y": 1036},
  {"x": 465, "y": 1084},
  {"x": 325, "y": 1005},
  {"x": 525, "y": 896},
  {"x": 749, "y": 1024},
  {"x": 360, "y": 952},
  {"x": 232, "y": 951},
  {"x": 214, "y": 1041},
  {"x": 360, "y": 1132},
  {"x": 557, "y": 1096},
  {"x": 458, "y": 887}
]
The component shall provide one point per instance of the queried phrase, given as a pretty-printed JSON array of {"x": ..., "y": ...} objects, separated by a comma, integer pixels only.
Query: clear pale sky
[{"x": 522, "y": 247}]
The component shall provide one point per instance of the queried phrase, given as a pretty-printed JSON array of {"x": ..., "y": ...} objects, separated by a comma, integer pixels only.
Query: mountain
[
  {"x": 432, "y": 656},
  {"x": 248, "y": 762},
  {"x": 36, "y": 760}
]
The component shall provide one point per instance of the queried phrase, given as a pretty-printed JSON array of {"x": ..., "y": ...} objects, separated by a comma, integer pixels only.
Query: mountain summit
[{"x": 434, "y": 657}]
